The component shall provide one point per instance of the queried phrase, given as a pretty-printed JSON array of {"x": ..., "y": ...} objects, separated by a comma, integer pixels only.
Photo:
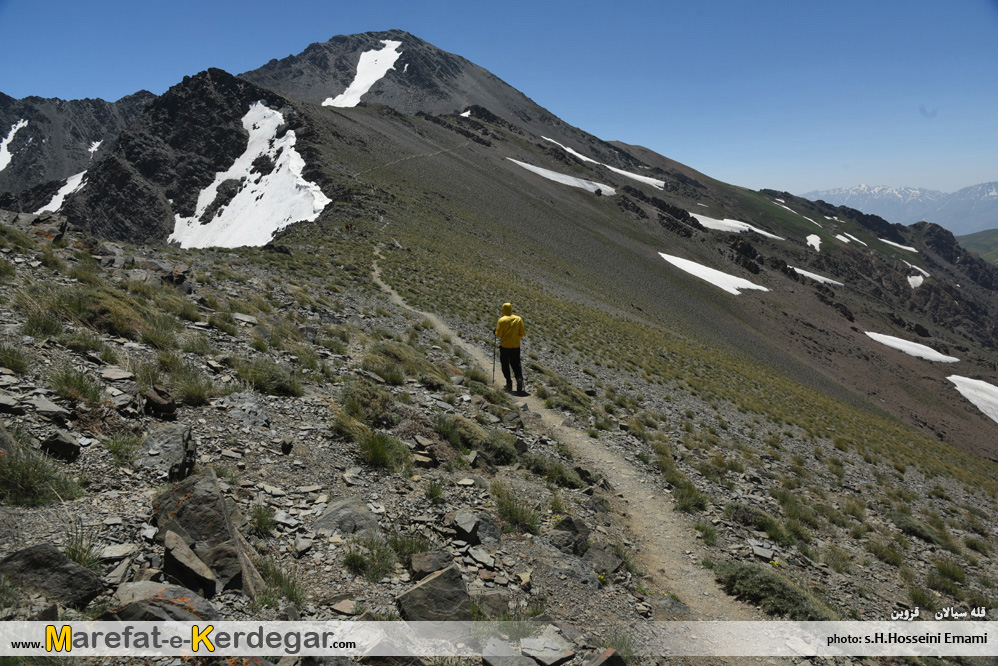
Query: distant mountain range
[{"x": 971, "y": 209}]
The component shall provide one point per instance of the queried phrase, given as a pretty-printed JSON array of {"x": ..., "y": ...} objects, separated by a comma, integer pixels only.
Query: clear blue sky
[{"x": 794, "y": 95}]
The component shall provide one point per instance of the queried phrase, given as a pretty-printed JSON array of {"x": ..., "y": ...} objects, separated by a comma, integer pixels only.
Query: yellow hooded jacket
[{"x": 509, "y": 328}]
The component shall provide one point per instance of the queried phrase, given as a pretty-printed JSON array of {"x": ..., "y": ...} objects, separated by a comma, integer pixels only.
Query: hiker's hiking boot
[
  {"x": 509, "y": 387},
  {"x": 519, "y": 387}
]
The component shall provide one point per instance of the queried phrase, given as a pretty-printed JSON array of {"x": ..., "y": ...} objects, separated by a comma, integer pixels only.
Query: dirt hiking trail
[{"x": 665, "y": 547}]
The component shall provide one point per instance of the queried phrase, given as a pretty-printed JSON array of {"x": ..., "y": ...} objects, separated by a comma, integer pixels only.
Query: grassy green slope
[{"x": 984, "y": 243}]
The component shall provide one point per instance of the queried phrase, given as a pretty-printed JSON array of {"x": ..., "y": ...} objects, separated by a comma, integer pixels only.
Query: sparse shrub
[
  {"x": 82, "y": 546},
  {"x": 262, "y": 519},
  {"x": 225, "y": 322},
  {"x": 371, "y": 557},
  {"x": 886, "y": 552},
  {"x": 382, "y": 450},
  {"x": 837, "y": 558},
  {"x": 282, "y": 582},
  {"x": 13, "y": 358},
  {"x": 776, "y": 594},
  {"x": 76, "y": 385},
  {"x": 552, "y": 470},
  {"x": 370, "y": 404},
  {"x": 29, "y": 478},
  {"x": 407, "y": 545},
  {"x": 268, "y": 377},
  {"x": 122, "y": 447},
  {"x": 7, "y": 270},
  {"x": 977, "y": 545},
  {"x": 922, "y": 598},
  {"x": 707, "y": 531},
  {"x": 41, "y": 323},
  {"x": 435, "y": 492},
  {"x": 513, "y": 510}
]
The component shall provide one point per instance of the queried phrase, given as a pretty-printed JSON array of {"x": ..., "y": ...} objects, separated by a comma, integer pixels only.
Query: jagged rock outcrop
[{"x": 59, "y": 138}]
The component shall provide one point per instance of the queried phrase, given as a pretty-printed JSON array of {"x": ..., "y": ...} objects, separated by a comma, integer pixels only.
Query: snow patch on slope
[
  {"x": 912, "y": 348},
  {"x": 565, "y": 179},
  {"x": 73, "y": 184},
  {"x": 93, "y": 148},
  {"x": 372, "y": 68},
  {"x": 983, "y": 395},
  {"x": 654, "y": 182},
  {"x": 265, "y": 204},
  {"x": 814, "y": 240},
  {"x": 4, "y": 149},
  {"x": 732, "y": 225},
  {"x": 903, "y": 247},
  {"x": 920, "y": 270},
  {"x": 816, "y": 277},
  {"x": 915, "y": 281},
  {"x": 729, "y": 283}
]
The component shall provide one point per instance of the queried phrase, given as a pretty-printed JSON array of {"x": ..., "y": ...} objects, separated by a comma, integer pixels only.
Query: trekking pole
[{"x": 493, "y": 357}]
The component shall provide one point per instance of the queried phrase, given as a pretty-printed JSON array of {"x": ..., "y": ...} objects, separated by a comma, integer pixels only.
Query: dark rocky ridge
[
  {"x": 56, "y": 142},
  {"x": 157, "y": 168}
]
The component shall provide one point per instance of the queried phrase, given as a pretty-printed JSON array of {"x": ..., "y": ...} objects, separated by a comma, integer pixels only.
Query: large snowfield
[
  {"x": 372, "y": 67},
  {"x": 912, "y": 348},
  {"x": 265, "y": 204},
  {"x": 982, "y": 394},
  {"x": 729, "y": 283}
]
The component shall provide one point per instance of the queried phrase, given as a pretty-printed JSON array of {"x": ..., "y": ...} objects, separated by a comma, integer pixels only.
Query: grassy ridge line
[{"x": 452, "y": 279}]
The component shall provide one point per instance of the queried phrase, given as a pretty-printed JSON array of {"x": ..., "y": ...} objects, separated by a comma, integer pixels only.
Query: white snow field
[
  {"x": 93, "y": 148},
  {"x": 843, "y": 238},
  {"x": 5, "y": 142},
  {"x": 903, "y": 247},
  {"x": 729, "y": 283},
  {"x": 983, "y": 395},
  {"x": 915, "y": 281},
  {"x": 654, "y": 182},
  {"x": 732, "y": 225},
  {"x": 264, "y": 205},
  {"x": 912, "y": 348},
  {"x": 856, "y": 239},
  {"x": 814, "y": 241},
  {"x": 565, "y": 179},
  {"x": 816, "y": 277},
  {"x": 73, "y": 184},
  {"x": 372, "y": 67}
]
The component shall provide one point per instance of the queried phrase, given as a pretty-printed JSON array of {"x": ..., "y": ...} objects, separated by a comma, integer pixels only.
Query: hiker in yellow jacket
[{"x": 509, "y": 330}]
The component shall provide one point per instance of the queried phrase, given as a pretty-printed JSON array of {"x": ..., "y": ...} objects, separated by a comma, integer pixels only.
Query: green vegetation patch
[{"x": 776, "y": 594}]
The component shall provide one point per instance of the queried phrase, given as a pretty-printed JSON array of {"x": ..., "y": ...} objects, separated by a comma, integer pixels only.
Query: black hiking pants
[{"x": 510, "y": 356}]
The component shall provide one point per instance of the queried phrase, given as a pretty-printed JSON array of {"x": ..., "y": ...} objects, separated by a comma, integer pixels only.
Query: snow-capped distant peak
[
  {"x": 372, "y": 68},
  {"x": 5, "y": 142}
]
